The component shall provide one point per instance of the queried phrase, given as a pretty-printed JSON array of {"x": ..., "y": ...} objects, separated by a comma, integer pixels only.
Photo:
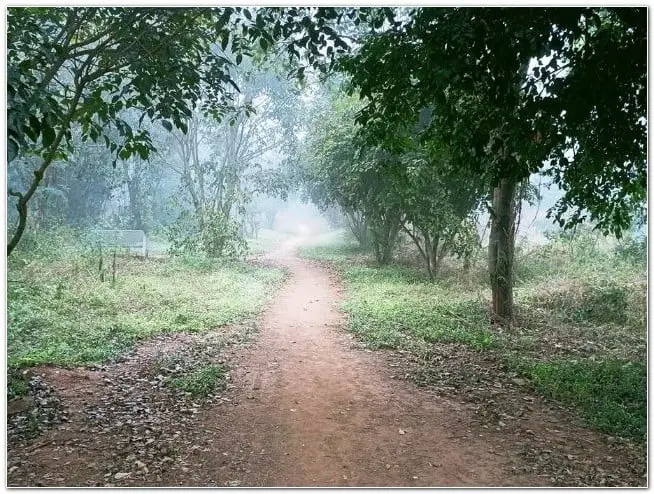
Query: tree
[
  {"x": 340, "y": 169},
  {"x": 438, "y": 206},
  {"x": 223, "y": 165},
  {"x": 81, "y": 66},
  {"x": 503, "y": 119},
  {"x": 382, "y": 192}
]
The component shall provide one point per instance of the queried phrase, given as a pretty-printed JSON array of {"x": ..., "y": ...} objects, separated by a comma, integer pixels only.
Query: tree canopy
[{"x": 518, "y": 90}]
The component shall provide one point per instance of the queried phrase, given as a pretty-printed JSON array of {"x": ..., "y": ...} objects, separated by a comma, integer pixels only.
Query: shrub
[{"x": 219, "y": 238}]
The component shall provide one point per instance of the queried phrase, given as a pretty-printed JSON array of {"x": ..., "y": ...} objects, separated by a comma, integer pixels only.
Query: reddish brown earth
[
  {"x": 305, "y": 408},
  {"x": 326, "y": 415}
]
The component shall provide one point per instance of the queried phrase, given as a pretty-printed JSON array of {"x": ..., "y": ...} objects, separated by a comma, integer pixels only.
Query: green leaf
[
  {"x": 144, "y": 152},
  {"x": 12, "y": 149},
  {"x": 35, "y": 125},
  {"x": 167, "y": 125},
  {"x": 239, "y": 59},
  {"x": 48, "y": 134}
]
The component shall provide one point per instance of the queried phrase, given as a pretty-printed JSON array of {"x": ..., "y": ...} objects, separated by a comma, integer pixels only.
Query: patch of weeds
[
  {"x": 611, "y": 393},
  {"x": 18, "y": 383},
  {"x": 391, "y": 307},
  {"x": 586, "y": 304},
  {"x": 633, "y": 250},
  {"x": 61, "y": 313},
  {"x": 197, "y": 263},
  {"x": 201, "y": 381}
]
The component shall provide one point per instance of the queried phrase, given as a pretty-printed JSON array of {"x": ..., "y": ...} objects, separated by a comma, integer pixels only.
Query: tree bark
[{"x": 501, "y": 249}]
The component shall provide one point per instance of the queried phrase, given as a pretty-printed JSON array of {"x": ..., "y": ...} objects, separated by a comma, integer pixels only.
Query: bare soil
[{"x": 303, "y": 406}]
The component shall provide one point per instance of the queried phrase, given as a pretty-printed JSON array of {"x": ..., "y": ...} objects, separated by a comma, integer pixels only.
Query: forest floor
[{"x": 302, "y": 405}]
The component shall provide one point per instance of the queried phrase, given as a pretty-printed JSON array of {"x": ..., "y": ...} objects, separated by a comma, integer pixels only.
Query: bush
[
  {"x": 632, "y": 249},
  {"x": 220, "y": 237}
]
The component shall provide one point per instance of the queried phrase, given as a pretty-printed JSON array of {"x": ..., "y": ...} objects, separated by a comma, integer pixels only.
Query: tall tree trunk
[{"x": 500, "y": 250}]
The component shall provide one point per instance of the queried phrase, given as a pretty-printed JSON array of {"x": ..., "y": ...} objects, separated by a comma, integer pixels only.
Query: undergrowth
[{"x": 580, "y": 332}]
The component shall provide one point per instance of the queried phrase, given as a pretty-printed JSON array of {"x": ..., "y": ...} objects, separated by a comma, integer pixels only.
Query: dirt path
[
  {"x": 305, "y": 408},
  {"x": 314, "y": 412}
]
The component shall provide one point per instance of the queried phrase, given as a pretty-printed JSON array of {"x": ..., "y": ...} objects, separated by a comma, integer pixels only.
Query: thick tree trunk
[{"x": 500, "y": 250}]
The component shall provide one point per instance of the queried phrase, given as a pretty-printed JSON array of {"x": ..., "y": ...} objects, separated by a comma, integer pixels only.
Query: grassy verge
[
  {"x": 580, "y": 335},
  {"x": 59, "y": 312}
]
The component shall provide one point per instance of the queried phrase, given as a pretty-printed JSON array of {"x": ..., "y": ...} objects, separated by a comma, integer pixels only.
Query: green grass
[
  {"x": 394, "y": 307},
  {"x": 17, "y": 384},
  {"x": 201, "y": 381},
  {"x": 580, "y": 334},
  {"x": 334, "y": 247},
  {"x": 60, "y": 313},
  {"x": 611, "y": 394}
]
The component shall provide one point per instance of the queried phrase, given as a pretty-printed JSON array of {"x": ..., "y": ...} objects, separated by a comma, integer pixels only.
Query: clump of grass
[
  {"x": 18, "y": 384},
  {"x": 201, "y": 381},
  {"x": 394, "y": 307},
  {"x": 584, "y": 304}
]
